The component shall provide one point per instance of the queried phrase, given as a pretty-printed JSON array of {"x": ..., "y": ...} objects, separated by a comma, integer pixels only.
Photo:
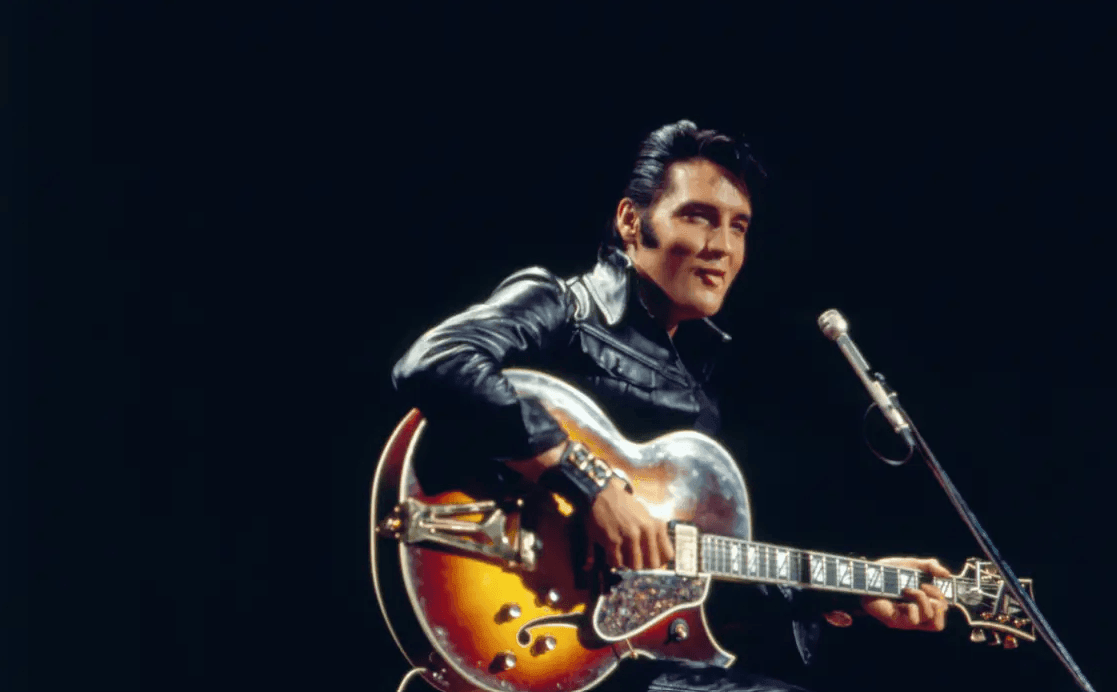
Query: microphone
[{"x": 835, "y": 327}]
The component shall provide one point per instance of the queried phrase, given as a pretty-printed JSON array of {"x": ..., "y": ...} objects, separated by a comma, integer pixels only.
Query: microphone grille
[{"x": 832, "y": 324}]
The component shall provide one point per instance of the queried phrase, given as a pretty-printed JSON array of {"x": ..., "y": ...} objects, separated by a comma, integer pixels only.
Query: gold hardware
[
  {"x": 505, "y": 661},
  {"x": 509, "y": 612},
  {"x": 1020, "y": 622},
  {"x": 986, "y": 616},
  {"x": 1010, "y": 642},
  {"x": 544, "y": 644},
  {"x": 679, "y": 630},
  {"x": 996, "y": 639},
  {"x": 1003, "y": 617},
  {"x": 977, "y": 636},
  {"x": 552, "y": 597},
  {"x": 418, "y": 522}
]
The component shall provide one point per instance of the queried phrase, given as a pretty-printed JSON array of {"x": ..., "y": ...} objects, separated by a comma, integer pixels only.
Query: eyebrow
[{"x": 707, "y": 207}]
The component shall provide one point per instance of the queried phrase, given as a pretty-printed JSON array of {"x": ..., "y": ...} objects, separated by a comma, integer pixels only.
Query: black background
[{"x": 242, "y": 214}]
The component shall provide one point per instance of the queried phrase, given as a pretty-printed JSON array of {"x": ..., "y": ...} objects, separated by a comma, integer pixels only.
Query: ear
[{"x": 628, "y": 222}]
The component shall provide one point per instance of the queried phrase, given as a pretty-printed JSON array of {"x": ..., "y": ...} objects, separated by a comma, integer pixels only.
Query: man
[{"x": 635, "y": 334}]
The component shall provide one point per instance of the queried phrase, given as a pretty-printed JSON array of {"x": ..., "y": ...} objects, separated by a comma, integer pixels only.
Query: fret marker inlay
[
  {"x": 873, "y": 575},
  {"x": 818, "y": 569}
]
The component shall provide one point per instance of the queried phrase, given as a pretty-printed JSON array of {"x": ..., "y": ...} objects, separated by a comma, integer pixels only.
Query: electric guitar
[{"x": 485, "y": 592}]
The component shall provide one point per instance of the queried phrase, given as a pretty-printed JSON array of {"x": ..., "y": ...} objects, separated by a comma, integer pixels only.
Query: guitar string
[{"x": 718, "y": 545}]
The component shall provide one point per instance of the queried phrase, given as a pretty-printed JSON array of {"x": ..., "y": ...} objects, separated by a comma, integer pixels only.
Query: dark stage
[{"x": 241, "y": 215}]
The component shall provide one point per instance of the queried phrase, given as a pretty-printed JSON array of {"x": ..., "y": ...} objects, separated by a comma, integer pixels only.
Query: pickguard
[{"x": 641, "y": 598}]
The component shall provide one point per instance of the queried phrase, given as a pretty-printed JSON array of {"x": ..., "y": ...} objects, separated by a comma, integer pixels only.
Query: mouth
[{"x": 711, "y": 277}]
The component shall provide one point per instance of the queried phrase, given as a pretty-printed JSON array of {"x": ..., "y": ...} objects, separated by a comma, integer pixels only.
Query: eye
[{"x": 740, "y": 228}]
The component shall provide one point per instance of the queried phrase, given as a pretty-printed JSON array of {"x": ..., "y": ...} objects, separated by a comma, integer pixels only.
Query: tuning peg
[
  {"x": 996, "y": 641},
  {"x": 1010, "y": 642},
  {"x": 977, "y": 636}
]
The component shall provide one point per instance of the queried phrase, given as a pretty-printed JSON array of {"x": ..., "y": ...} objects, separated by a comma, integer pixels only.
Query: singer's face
[{"x": 700, "y": 221}]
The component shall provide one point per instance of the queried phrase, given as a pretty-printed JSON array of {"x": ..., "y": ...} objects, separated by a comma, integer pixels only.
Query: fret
[
  {"x": 890, "y": 581},
  {"x": 859, "y": 575}
]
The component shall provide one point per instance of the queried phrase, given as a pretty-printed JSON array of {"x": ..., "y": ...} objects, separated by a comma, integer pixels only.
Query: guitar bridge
[{"x": 414, "y": 522}]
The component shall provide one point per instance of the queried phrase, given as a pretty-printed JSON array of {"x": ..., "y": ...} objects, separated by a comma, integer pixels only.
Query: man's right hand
[
  {"x": 631, "y": 537},
  {"x": 617, "y": 521}
]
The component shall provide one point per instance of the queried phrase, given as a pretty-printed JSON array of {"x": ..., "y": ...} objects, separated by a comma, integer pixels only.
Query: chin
[{"x": 702, "y": 309}]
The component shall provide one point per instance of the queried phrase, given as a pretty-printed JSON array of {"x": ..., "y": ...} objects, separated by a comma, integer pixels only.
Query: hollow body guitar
[{"x": 489, "y": 593}]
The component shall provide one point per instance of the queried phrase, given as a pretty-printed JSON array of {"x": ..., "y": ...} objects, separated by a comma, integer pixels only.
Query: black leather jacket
[{"x": 592, "y": 330}]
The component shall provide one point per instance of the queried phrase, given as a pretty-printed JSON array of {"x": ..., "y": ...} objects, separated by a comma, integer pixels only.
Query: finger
[
  {"x": 666, "y": 548},
  {"x": 634, "y": 557},
  {"x": 880, "y": 608},
  {"x": 650, "y": 545},
  {"x": 934, "y": 567},
  {"x": 926, "y": 610},
  {"x": 934, "y": 592},
  {"x": 911, "y": 615},
  {"x": 940, "y": 616}
]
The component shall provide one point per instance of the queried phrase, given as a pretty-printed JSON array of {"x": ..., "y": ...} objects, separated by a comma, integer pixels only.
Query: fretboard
[{"x": 740, "y": 560}]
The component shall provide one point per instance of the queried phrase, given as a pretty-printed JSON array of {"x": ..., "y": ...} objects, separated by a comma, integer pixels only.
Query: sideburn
[{"x": 647, "y": 232}]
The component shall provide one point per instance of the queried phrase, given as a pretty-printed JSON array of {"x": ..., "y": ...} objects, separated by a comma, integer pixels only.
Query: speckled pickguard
[{"x": 641, "y": 598}]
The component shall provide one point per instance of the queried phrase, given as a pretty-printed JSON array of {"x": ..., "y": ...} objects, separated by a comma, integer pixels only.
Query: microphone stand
[{"x": 990, "y": 550}]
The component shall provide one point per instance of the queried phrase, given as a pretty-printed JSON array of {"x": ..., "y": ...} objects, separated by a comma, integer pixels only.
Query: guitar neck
[{"x": 734, "y": 559}]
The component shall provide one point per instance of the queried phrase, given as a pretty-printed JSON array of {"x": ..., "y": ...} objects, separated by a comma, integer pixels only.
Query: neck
[{"x": 734, "y": 559}]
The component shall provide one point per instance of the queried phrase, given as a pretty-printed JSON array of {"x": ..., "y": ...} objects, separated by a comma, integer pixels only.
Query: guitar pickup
[
  {"x": 415, "y": 522},
  {"x": 686, "y": 548}
]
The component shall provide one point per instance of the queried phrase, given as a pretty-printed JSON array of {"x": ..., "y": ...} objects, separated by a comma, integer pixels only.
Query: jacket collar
[{"x": 611, "y": 283}]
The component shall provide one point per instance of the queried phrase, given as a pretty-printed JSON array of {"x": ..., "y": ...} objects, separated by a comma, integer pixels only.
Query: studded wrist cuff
[{"x": 579, "y": 476}]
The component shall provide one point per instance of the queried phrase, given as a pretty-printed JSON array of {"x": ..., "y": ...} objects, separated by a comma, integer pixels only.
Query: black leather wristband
[{"x": 579, "y": 477}]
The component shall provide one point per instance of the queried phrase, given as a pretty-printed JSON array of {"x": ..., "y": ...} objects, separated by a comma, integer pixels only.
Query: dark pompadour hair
[{"x": 682, "y": 141}]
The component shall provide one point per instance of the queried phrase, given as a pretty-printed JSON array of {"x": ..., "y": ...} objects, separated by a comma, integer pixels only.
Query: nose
[{"x": 718, "y": 241}]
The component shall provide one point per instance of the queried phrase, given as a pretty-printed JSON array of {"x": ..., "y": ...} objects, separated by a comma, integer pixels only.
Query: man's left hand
[{"x": 926, "y": 606}]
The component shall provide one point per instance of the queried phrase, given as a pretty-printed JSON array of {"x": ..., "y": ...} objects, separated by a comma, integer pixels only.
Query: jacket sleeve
[
  {"x": 807, "y": 608},
  {"x": 453, "y": 372}
]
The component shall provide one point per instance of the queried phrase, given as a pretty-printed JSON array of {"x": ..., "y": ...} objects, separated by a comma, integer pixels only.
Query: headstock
[{"x": 995, "y": 616}]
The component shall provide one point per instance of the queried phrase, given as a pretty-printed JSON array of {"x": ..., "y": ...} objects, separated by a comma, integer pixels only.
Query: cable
[
  {"x": 407, "y": 677},
  {"x": 869, "y": 444}
]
